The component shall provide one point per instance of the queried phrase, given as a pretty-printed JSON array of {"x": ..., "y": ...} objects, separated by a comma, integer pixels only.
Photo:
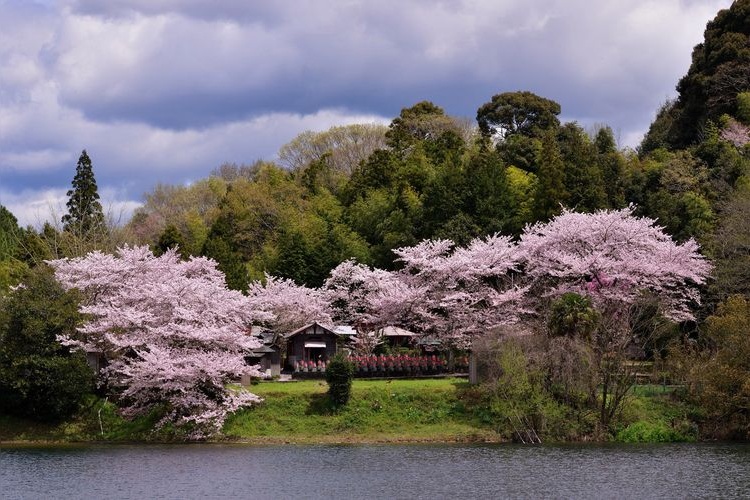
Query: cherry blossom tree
[
  {"x": 173, "y": 333},
  {"x": 614, "y": 256},
  {"x": 738, "y": 134},
  {"x": 288, "y": 305},
  {"x": 620, "y": 262},
  {"x": 451, "y": 293},
  {"x": 352, "y": 290},
  {"x": 459, "y": 293}
]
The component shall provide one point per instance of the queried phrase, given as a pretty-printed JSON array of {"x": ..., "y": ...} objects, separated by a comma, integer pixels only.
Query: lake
[{"x": 375, "y": 471}]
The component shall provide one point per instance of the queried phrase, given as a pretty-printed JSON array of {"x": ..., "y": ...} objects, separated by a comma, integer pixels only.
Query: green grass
[
  {"x": 378, "y": 411},
  {"x": 416, "y": 410},
  {"x": 653, "y": 414},
  {"x": 97, "y": 420}
]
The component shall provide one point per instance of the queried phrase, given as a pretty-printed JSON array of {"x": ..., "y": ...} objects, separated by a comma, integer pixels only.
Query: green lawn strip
[
  {"x": 379, "y": 410},
  {"x": 97, "y": 421}
]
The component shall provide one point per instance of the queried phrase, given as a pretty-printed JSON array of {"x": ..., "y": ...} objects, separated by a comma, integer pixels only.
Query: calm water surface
[{"x": 383, "y": 472}]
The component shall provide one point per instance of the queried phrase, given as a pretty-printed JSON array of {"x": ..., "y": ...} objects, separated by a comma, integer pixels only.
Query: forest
[{"x": 362, "y": 204}]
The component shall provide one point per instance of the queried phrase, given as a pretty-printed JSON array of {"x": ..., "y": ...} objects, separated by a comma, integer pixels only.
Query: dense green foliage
[
  {"x": 40, "y": 378},
  {"x": 719, "y": 377},
  {"x": 714, "y": 85},
  {"x": 12, "y": 267}
]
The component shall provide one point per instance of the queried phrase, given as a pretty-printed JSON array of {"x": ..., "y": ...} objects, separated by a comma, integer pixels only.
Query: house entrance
[{"x": 315, "y": 351}]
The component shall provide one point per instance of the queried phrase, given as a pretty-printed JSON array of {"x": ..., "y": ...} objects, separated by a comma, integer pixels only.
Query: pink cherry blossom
[
  {"x": 738, "y": 134},
  {"x": 451, "y": 293},
  {"x": 173, "y": 333},
  {"x": 615, "y": 256},
  {"x": 288, "y": 305}
]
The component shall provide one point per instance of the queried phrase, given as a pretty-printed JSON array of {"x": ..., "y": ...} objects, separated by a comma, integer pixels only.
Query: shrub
[
  {"x": 339, "y": 376},
  {"x": 647, "y": 432}
]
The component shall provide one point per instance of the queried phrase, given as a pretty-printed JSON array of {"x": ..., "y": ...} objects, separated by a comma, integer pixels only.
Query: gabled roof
[
  {"x": 303, "y": 328},
  {"x": 344, "y": 330},
  {"x": 429, "y": 341},
  {"x": 264, "y": 349},
  {"x": 394, "y": 331}
]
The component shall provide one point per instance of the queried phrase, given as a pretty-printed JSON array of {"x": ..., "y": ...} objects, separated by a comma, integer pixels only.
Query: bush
[
  {"x": 339, "y": 375},
  {"x": 534, "y": 383},
  {"x": 646, "y": 432}
]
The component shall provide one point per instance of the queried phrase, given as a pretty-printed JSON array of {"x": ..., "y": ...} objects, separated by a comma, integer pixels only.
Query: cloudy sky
[{"x": 167, "y": 90}]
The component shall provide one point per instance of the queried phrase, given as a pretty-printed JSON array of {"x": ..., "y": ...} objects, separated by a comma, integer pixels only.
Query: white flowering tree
[
  {"x": 351, "y": 289},
  {"x": 458, "y": 293},
  {"x": 173, "y": 333},
  {"x": 451, "y": 293},
  {"x": 287, "y": 305},
  {"x": 617, "y": 261},
  {"x": 614, "y": 257},
  {"x": 738, "y": 134}
]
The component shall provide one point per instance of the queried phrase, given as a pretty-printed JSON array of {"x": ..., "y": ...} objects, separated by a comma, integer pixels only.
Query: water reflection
[{"x": 383, "y": 472}]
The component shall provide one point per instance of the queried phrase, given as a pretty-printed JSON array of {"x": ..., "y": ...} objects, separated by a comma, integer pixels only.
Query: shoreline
[{"x": 424, "y": 411}]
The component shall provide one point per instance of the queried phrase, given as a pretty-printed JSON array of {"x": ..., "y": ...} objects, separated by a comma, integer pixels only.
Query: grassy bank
[
  {"x": 424, "y": 410},
  {"x": 379, "y": 411},
  {"x": 433, "y": 410}
]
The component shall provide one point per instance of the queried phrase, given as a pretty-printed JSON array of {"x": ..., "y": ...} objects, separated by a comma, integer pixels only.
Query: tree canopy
[
  {"x": 40, "y": 378},
  {"x": 713, "y": 86},
  {"x": 522, "y": 112}
]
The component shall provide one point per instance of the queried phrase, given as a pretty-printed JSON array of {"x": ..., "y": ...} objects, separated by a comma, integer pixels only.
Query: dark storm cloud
[{"x": 184, "y": 65}]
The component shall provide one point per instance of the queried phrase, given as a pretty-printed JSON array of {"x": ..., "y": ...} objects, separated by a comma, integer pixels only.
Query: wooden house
[
  {"x": 96, "y": 359},
  {"x": 315, "y": 342},
  {"x": 268, "y": 359},
  {"x": 396, "y": 337}
]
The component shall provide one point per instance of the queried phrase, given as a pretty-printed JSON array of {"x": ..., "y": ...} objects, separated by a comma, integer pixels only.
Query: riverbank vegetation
[
  {"x": 380, "y": 411},
  {"x": 565, "y": 263}
]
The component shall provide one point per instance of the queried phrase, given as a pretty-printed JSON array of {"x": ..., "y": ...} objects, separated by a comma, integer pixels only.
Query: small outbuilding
[
  {"x": 268, "y": 358},
  {"x": 96, "y": 359},
  {"x": 315, "y": 342},
  {"x": 396, "y": 337},
  {"x": 268, "y": 355}
]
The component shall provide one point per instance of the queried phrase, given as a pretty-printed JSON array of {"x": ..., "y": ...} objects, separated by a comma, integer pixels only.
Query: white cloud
[
  {"x": 166, "y": 90},
  {"x": 35, "y": 207},
  {"x": 129, "y": 159},
  {"x": 168, "y": 63}
]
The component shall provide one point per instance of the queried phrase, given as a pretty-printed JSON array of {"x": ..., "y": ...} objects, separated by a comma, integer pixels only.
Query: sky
[{"x": 164, "y": 91}]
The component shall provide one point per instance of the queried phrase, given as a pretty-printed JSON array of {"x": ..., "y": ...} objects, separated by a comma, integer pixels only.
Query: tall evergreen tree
[
  {"x": 84, "y": 209},
  {"x": 220, "y": 247},
  {"x": 551, "y": 187},
  {"x": 582, "y": 177},
  {"x": 171, "y": 237}
]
